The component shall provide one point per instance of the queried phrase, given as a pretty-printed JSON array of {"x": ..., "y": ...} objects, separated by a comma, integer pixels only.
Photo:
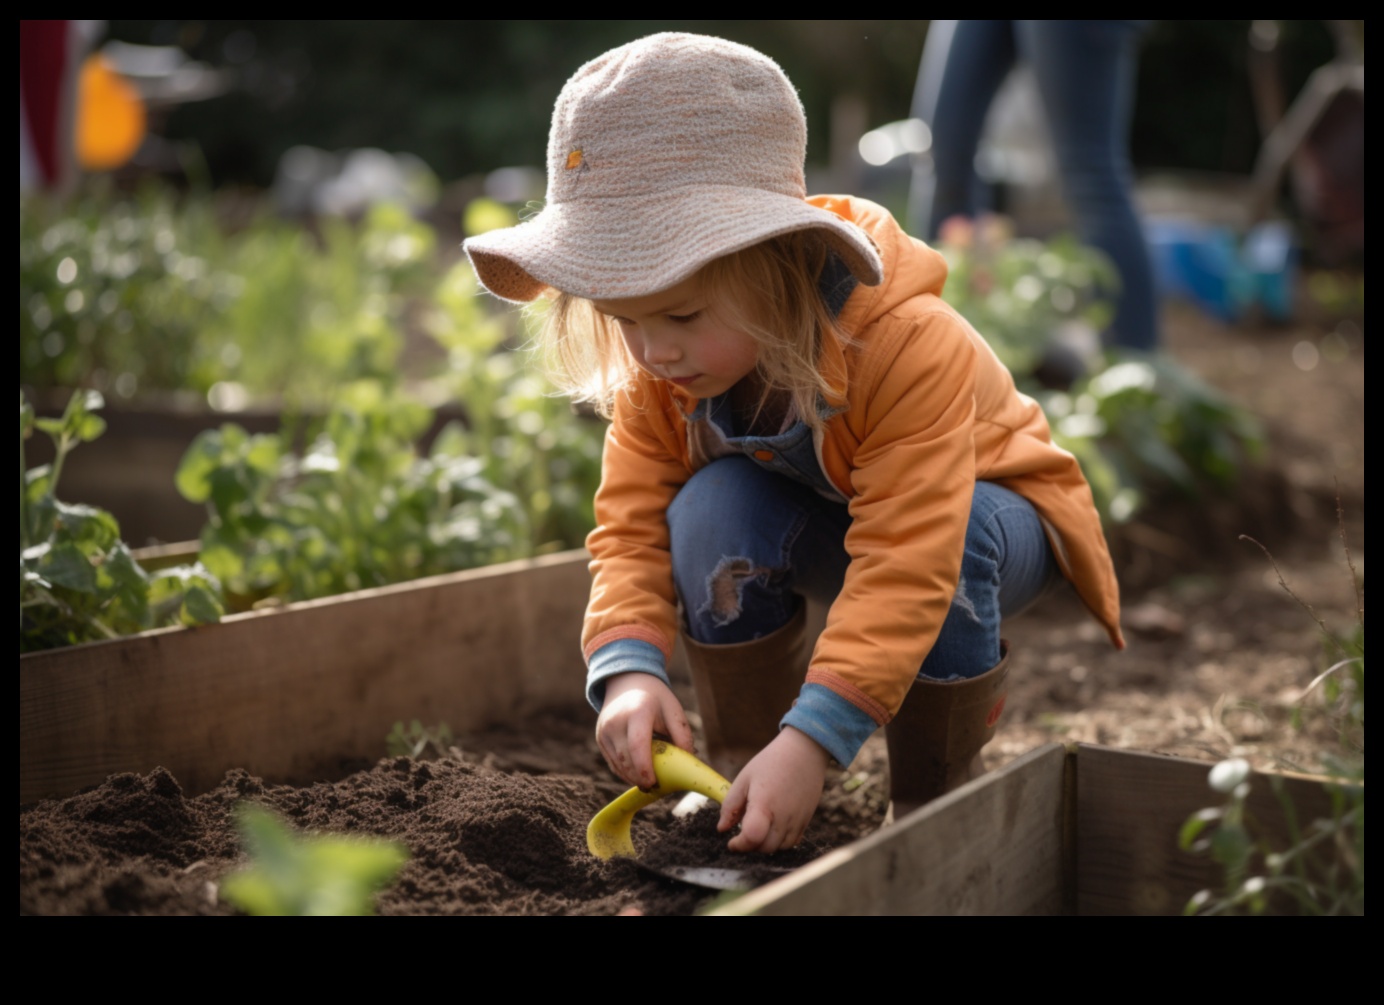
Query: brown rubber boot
[
  {"x": 934, "y": 740},
  {"x": 744, "y": 689}
]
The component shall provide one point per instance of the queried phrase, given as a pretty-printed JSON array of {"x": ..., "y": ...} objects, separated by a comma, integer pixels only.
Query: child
[{"x": 795, "y": 413}]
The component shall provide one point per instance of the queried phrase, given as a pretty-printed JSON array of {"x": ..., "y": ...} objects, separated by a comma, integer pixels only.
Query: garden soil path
[{"x": 1219, "y": 655}]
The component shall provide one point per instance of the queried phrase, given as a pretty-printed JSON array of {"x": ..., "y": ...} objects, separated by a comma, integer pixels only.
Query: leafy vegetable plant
[
  {"x": 359, "y": 508},
  {"x": 1020, "y": 292},
  {"x": 152, "y": 293},
  {"x": 308, "y": 876},
  {"x": 78, "y": 582},
  {"x": 531, "y": 441},
  {"x": 1136, "y": 422},
  {"x": 1146, "y": 422}
]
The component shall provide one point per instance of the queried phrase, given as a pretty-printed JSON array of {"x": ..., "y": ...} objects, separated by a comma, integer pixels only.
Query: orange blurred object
[{"x": 110, "y": 116}]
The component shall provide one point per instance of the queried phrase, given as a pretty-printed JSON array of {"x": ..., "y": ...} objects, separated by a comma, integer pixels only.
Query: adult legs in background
[
  {"x": 963, "y": 65},
  {"x": 1086, "y": 75}
]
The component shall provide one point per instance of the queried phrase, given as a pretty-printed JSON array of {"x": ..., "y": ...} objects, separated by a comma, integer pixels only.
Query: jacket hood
[{"x": 911, "y": 269}]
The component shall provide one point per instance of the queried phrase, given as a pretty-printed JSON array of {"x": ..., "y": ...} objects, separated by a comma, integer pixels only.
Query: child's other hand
[
  {"x": 636, "y": 706},
  {"x": 774, "y": 797}
]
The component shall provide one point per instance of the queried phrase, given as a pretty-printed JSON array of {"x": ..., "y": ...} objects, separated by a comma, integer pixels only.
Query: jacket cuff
[
  {"x": 831, "y": 720},
  {"x": 622, "y": 656}
]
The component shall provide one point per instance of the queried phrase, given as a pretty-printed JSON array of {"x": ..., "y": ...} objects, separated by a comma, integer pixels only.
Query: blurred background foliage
[
  {"x": 448, "y": 91},
  {"x": 289, "y": 241}
]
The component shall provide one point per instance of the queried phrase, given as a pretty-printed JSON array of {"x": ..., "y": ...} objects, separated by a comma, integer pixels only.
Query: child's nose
[{"x": 658, "y": 350}]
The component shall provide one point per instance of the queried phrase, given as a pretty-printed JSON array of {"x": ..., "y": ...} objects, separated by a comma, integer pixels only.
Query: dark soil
[
  {"x": 484, "y": 834},
  {"x": 1220, "y": 655}
]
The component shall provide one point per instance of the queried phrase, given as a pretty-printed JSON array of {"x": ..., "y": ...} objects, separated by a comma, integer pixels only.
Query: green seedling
[
  {"x": 415, "y": 739},
  {"x": 324, "y": 876}
]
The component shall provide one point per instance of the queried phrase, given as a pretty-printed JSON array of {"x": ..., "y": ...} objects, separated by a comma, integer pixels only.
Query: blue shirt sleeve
[
  {"x": 831, "y": 720},
  {"x": 621, "y": 656}
]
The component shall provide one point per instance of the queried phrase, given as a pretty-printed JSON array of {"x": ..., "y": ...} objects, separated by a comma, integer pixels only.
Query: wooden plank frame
[
  {"x": 1084, "y": 830},
  {"x": 993, "y": 847},
  {"x": 289, "y": 694}
]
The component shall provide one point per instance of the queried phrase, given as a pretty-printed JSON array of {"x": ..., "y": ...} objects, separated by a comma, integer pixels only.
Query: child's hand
[
  {"x": 774, "y": 797},
  {"x": 637, "y": 705}
]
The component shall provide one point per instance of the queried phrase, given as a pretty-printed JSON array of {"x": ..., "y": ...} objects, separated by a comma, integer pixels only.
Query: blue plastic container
[{"x": 1206, "y": 265}]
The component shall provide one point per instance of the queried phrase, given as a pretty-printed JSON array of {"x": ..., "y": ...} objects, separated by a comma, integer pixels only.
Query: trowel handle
[{"x": 608, "y": 835}]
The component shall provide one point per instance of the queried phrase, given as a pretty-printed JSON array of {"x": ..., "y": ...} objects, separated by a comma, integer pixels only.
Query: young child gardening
[{"x": 795, "y": 413}]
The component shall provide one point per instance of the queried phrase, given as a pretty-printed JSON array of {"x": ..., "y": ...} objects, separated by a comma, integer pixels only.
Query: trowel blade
[{"x": 714, "y": 878}]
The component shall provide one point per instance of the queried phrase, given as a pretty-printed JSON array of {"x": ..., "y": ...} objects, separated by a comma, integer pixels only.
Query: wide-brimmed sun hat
[{"x": 664, "y": 154}]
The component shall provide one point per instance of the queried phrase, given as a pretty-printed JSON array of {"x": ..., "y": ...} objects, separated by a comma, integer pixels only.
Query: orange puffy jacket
[{"x": 929, "y": 410}]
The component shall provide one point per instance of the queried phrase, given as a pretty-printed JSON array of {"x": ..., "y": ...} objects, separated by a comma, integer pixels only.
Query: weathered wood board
[
  {"x": 994, "y": 846},
  {"x": 1130, "y": 807},
  {"x": 288, "y": 694}
]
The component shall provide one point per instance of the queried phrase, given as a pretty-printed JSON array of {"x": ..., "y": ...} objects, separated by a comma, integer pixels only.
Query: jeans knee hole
[{"x": 725, "y": 588}]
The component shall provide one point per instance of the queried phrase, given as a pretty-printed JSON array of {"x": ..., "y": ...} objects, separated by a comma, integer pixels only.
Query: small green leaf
[
  {"x": 88, "y": 428},
  {"x": 53, "y": 427},
  {"x": 202, "y": 458},
  {"x": 308, "y": 876},
  {"x": 123, "y": 568},
  {"x": 67, "y": 565},
  {"x": 222, "y": 554},
  {"x": 1195, "y": 824},
  {"x": 201, "y": 607},
  {"x": 94, "y": 529}
]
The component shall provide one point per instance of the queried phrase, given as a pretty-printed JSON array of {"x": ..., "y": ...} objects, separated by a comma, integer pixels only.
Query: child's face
[{"x": 675, "y": 336}]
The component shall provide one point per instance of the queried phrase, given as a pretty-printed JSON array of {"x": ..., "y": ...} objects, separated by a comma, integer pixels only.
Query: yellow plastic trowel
[{"x": 608, "y": 834}]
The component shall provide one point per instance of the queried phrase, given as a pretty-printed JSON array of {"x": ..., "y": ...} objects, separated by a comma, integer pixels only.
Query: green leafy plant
[
  {"x": 1136, "y": 423},
  {"x": 359, "y": 508},
  {"x": 531, "y": 441},
  {"x": 1144, "y": 423},
  {"x": 1020, "y": 292},
  {"x": 78, "y": 582},
  {"x": 154, "y": 293},
  {"x": 322, "y": 876},
  {"x": 1320, "y": 870},
  {"x": 415, "y": 739}
]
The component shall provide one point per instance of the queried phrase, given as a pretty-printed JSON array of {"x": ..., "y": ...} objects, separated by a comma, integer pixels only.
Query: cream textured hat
[{"x": 664, "y": 154}]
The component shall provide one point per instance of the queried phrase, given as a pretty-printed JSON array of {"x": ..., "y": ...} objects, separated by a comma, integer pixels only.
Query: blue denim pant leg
[
  {"x": 1007, "y": 567},
  {"x": 747, "y": 542},
  {"x": 1085, "y": 71}
]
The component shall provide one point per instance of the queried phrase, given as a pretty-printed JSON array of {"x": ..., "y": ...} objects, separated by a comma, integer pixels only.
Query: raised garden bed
[
  {"x": 165, "y": 732},
  {"x": 1087, "y": 830},
  {"x": 289, "y": 694}
]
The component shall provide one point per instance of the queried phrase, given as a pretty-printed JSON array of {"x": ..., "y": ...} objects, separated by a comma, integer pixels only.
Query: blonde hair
[{"x": 768, "y": 291}]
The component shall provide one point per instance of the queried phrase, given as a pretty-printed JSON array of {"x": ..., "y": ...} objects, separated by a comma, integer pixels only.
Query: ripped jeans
[{"x": 747, "y": 541}]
